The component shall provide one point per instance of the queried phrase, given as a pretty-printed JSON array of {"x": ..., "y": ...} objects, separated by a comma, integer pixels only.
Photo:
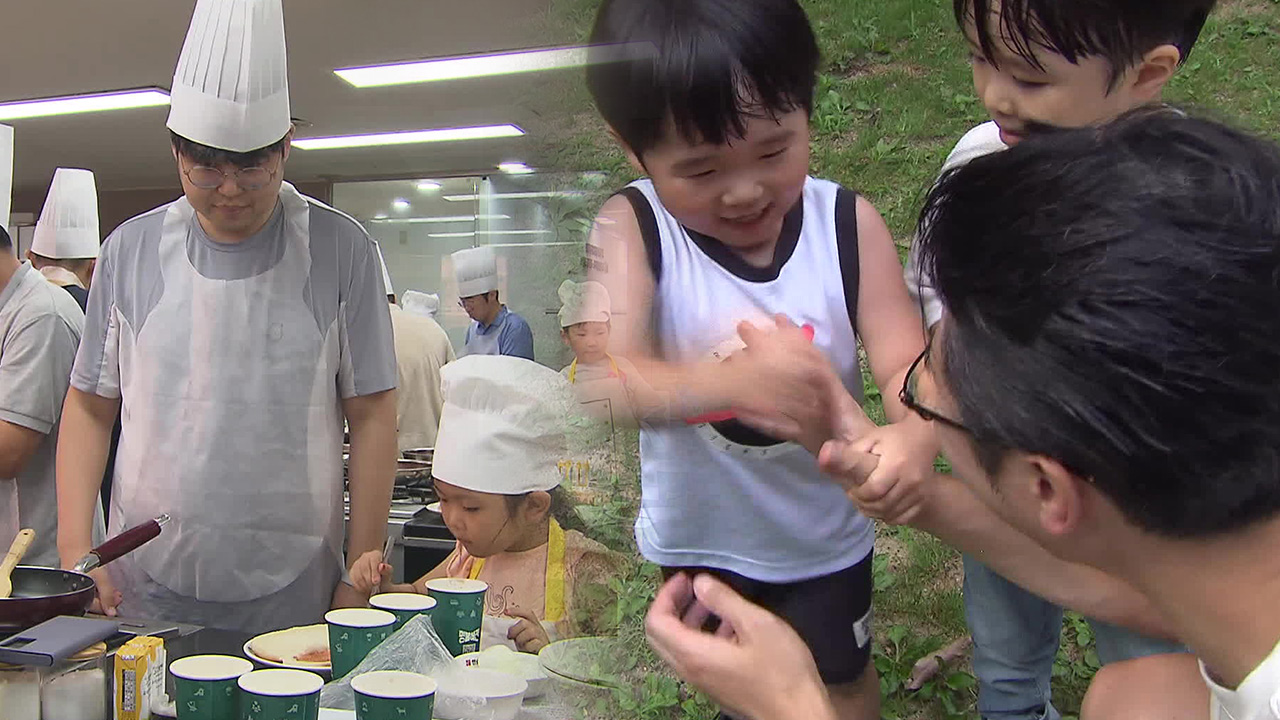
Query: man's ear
[
  {"x": 1059, "y": 496},
  {"x": 1154, "y": 71},
  {"x": 288, "y": 144}
]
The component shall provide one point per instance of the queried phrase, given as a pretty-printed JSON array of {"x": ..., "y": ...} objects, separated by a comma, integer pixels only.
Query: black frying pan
[{"x": 41, "y": 593}]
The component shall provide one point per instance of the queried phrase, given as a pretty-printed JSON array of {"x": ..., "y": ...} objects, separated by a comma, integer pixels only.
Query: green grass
[{"x": 894, "y": 95}]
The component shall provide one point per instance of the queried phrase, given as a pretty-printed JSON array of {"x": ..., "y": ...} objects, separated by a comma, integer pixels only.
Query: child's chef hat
[
  {"x": 583, "y": 302},
  {"x": 503, "y": 426},
  {"x": 476, "y": 270},
  {"x": 420, "y": 303}
]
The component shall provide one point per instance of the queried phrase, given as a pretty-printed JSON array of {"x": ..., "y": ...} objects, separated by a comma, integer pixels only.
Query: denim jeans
[{"x": 1015, "y": 640}]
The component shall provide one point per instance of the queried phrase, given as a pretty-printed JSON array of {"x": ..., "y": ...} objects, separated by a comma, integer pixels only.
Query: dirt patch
[
  {"x": 1230, "y": 9},
  {"x": 895, "y": 549}
]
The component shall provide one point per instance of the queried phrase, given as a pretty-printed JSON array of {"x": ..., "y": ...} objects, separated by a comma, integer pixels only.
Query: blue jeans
[{"x": 1015, "y": 640}]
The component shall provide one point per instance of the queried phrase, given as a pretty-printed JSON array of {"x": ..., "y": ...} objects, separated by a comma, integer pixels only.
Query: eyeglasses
[
  {"x": 464, "y": 302},
  {"x": 209, "y": 178},
  {"x": 908, "y": 397}
]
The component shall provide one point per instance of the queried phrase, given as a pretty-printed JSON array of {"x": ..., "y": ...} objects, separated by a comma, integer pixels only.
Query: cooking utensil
[
  {"x": 43, "y": 593},
  {"x": 16, "y": 551}
]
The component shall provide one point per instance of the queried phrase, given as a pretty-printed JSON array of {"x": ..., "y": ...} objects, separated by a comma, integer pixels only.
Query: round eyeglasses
[{"x": 210, "y": 178}]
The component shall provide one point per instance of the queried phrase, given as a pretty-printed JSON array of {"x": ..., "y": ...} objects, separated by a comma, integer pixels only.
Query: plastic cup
[
  {"x": 280, "y": 695},
  {"x": 394, "y": 695},
  {"x": 353, "y": 633},
  {"x": 405, "y": 606},
  {"x": 206, "y": 686},
  {"x": 459, "y": 612}
]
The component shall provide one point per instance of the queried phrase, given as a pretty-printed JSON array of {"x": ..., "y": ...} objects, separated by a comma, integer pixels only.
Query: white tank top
[{"x": 719, "y": 496}]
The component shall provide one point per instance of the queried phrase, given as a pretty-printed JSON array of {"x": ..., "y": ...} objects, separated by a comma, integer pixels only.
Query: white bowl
[
  {"x": 501, "y": 658},
  {"x": 472, "y": 693}
]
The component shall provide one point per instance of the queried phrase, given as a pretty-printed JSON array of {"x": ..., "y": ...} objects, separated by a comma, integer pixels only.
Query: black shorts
[{"x": 831, "y": 613}]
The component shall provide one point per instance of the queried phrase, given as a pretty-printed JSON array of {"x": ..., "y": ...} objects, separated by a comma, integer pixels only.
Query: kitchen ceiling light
[
  {"x": 473, "y": 66},
  {"x": 515, "y": 168},
  {"x": 516, "y": 195},
  {"x": 490, "y": 232},
  {"x": 484, "y": 132},
  {"x": 400, "y": 204},
  {"x": 73, "y": 104},
  {"x": 443, "y": 218},
  {"x": 428, "y": 185}
]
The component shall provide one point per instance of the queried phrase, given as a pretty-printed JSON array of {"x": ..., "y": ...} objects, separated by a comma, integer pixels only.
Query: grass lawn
[{"x": 894, "y": 96}]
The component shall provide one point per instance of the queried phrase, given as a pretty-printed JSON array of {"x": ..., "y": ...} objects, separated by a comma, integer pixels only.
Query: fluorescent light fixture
[
  {"x": 400, "y": 204},
  {"x": 515, "y": 168},
  {"x": 428, "y": 185},
  {"x": 484, "y": 132},
  {"x": 380, "y": 216},
  {"x": 452, "y": 235},
  {"x": 490, "y": 232},
  {"x": 73, "y": 104},
  {"x": 441, "y": 218},
  {"x": 473, "y": 66},
  {"x": 517, "y": 195}
]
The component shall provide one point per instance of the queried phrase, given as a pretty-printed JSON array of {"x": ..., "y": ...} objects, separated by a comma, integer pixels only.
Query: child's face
[
  {"x": 589, "y": 341},
  {"x": 1020, "y": 97},
  {"x": 738, "y": 192},
  {"x": 480, "y": 521}
]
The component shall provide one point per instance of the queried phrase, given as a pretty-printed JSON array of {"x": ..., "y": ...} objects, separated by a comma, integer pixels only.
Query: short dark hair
[
  {"x": 1112, "y": 298},
  {"x": 715, "y": 64},
  {"x": 212, "y": 157},
  {"x": 1121, "y": 31},
  {"x": 6, "y": 242}
]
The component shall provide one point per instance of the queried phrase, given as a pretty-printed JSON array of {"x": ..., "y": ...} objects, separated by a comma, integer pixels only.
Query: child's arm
[{"x": 780, "y": 377}]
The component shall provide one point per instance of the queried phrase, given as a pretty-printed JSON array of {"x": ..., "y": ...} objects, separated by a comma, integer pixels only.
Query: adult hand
[
  {"x": 529, "y": 635},
  {"x": 755, "y": 665},
  {"x": 108, "y": 598},
  {"x": 460, "y": 563}
]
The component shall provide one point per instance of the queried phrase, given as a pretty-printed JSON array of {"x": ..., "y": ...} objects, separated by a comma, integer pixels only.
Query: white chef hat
[
  {"x": 68, "y": 225},
  {"x": 502, "y": 429},
  {"x": 583, "y": 302},
  {"x": 231, "y": 87},
  {"x": 476, "y": 270},
  {"x": 386, "y": 274},
  {"x": 420, "y": 303},
  {"x": 6, "y": 173}
]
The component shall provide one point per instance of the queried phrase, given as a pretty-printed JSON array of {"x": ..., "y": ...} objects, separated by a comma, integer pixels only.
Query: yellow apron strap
[
  {"x": 573, "y": 372},
  {"x": 553, "y": 605}
]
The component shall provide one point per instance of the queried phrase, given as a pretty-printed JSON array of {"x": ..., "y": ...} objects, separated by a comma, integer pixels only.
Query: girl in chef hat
[
  {"x": 502, "y": 436},
  {"x": 597, "y": 375}
]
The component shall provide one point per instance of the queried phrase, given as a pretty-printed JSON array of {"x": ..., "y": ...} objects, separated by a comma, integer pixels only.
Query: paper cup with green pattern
[
  {"x": 206, "y": 686},
  {"x": 405, "y": 606},
  {"x": 459, "y": 612},
  {"x": 394, "y": 695},
  {"x": 353, "y": 633},
  {"x": 280, "y": 695}
]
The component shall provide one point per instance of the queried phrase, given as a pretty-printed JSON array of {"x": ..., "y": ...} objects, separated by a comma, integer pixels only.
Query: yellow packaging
[{"x": 132, "y": 682}]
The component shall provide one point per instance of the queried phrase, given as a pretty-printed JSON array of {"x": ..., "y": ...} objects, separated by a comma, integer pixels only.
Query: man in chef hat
[
  {"x": 239, "y": 325},
  {"x": 422, "y": 348},
  {"x": 40, "y": 328},
  {"x": 65, "y": 247},
  {"x": 502, "y": 437},
  {"x": 495, "y": 330},
  {"x": 420, "y": 303}
]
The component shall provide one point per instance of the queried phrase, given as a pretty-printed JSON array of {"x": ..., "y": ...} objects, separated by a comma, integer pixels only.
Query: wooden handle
[{"x": 17, "y": 550}]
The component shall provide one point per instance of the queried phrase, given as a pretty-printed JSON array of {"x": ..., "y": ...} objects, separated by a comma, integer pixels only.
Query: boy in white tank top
[{"x": 728, "y": 229}]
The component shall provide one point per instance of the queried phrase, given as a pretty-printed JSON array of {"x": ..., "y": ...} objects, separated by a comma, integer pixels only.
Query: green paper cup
[
  {"x": 405, "y": 606},
  {"x": 206, "y": 686},
  {"x": 460, "y": 612},
  {"x": 280, "y": 695},
  {"x": 394, "y": 695},
  {"x": 353, "y": 633}
]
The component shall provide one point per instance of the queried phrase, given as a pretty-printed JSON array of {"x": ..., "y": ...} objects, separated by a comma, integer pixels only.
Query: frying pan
[{"x": 41, "y": 593}]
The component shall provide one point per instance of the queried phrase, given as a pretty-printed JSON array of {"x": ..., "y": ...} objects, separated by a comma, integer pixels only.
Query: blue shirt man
[{"x": 495, "y": 330}]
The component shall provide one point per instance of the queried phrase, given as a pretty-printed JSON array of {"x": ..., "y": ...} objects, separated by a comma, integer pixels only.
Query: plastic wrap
[{"x": 417, "y": 648}]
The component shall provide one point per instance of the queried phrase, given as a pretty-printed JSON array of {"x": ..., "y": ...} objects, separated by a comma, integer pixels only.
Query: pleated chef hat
[
  {"x": 420, "y": 303},
  {"x": 583, "y": 302},
  {"x": 6, "y": 173},
  {"x": 386, "y": 275},
  {"x": 476, "y": 270},
  {"x": 503, "y": 426},
  {"x": 231, "y": 86},
  {"x": 68, "y": 225}
]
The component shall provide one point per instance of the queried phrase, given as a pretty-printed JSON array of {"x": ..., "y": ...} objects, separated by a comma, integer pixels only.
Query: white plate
[
  {"x": 310, "y": 630},
  {"x": 434, "y": 507}
]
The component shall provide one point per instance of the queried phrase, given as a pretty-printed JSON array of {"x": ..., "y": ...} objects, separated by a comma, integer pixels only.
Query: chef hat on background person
[
  {"x": 476, "y": 270},
  {"x": 68, "y": 225},
  {"x": 386, "y": 274},
  {"x": 231, "y": 86},
  {"x": 583, "y": 302},
  {"x": 6, "y": 174},
  {"x": 420, "y": 303},
  {"x": 503, "y": 426}
]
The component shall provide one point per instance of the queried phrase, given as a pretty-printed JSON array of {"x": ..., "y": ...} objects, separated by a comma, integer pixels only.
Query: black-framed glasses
[
  {"x": 209, "y": 178},
  {"x": 909, "y": 398}
]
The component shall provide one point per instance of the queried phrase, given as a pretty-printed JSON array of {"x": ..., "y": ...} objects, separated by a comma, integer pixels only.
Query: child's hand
[
  {"x": 461, "y": 563},
  {"x": 780, "y": 383},
  {"x": 529, "y": 635},
  {"x": 369, "y": 573},
  {"x": 894, "y": 490}
]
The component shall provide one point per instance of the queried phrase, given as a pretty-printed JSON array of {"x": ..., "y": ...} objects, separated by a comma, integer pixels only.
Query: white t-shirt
[
  {"x": 981, "y": 140},
  {"x": 1257, "y": 698}
]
